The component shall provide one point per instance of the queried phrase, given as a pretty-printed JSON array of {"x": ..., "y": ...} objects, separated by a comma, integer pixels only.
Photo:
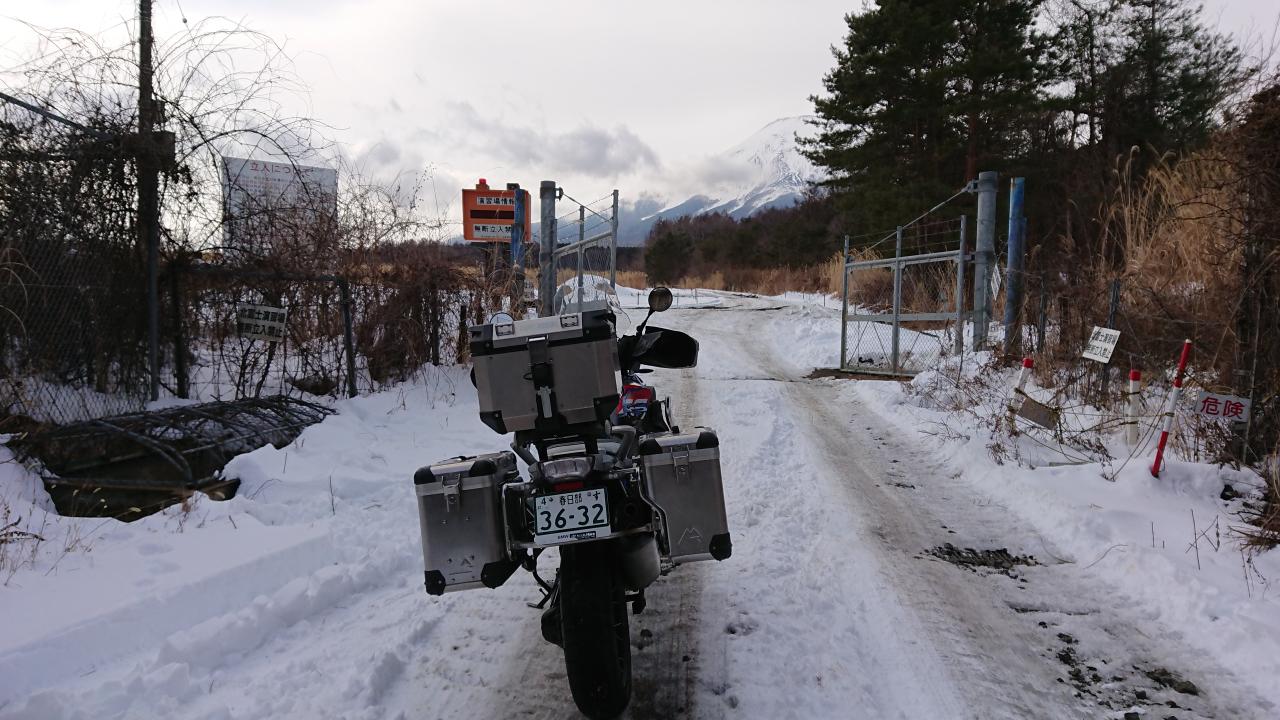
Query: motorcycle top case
[
  {"x": 682, "y": 475},
  {"x": 547, "y": 374},
  {"x": 460, "y": 511}
]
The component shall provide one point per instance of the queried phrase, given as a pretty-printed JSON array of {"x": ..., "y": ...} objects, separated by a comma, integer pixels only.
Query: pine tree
[
  {"x": 1172, "y": 78},
  {"x": 922, "y": 92},
  {"x": 1143, "y": 73}
]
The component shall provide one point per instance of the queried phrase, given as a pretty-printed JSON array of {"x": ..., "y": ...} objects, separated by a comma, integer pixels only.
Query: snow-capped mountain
[
  {"x": 779, "y": 173},
  {"x": 766, "y": 170}
]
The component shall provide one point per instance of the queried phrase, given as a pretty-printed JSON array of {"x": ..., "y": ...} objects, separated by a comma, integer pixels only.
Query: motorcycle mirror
[{"x": 659, "y": 299}]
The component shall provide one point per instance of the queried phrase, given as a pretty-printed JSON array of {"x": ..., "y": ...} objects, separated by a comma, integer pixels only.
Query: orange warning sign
[{"x": 487, "y": 214}]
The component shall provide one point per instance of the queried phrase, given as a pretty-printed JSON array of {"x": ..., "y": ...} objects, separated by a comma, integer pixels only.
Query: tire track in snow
[
  {"x": 798, "y": 621},
  {"x": 665, "y": 657}
]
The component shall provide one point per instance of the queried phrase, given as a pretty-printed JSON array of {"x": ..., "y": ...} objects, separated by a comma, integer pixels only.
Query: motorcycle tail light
[
  {"x": 568, "y": 486},
  {"x": 566, "y": 470}
]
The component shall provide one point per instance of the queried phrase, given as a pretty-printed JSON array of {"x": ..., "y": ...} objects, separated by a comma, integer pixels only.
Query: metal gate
[
  {"x": 586, "y": 270},
  {"x": 901, "y": 315}
]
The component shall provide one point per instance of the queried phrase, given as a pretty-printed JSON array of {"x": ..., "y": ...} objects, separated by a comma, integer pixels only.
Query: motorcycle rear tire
[{"x": 595, "y": 630}]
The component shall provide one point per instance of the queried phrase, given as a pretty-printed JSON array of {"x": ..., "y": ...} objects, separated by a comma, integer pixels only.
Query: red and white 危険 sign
[{"x": 1224, "y": 407}]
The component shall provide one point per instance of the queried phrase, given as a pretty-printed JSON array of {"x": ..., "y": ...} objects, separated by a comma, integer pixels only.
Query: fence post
[
  {"x": 517, "y": 248},
  {"x": 582, "y": 236},
  {"x": 1017, "y": 253},
  {"x": 960, "y": 286},
  {"x": 1044, "y": 316},
  {"x": 1112, "y": 308},
  {"x": 844, "y": 305},
  {"x": 433, "y": 304},
  {"x": 179, "y": 341},
  {"x": 985, "y": 256},
  {"x": 897, "y": 297},
  {"x": 613, "y": 243},
  {"x": 547, "y": 289},
  {"x": 348, "y": 341}
]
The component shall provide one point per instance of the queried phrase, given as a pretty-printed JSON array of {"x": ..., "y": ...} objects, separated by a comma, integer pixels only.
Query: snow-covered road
[{"x": 832, "y": 605}]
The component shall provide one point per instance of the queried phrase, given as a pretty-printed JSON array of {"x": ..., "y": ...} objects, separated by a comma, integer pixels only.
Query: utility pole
[
  {"x": 149, "y": 192},
  {"x": 547, "y": 286},
  {"x": 984, "y": 258}
]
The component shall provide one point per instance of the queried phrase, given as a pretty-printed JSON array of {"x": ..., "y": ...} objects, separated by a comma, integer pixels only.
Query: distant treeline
[{"x": 700, "y": 245}]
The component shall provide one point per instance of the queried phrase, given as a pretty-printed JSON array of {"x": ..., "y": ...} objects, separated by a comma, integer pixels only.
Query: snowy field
[{"x": 302, "y": 597}]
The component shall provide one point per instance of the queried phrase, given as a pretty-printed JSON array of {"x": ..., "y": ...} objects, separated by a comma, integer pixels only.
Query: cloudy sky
[{"x": 595, "y": 95}]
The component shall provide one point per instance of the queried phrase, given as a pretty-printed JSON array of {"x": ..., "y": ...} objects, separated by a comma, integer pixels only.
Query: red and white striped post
[
  {"x": 1173, "y": 408},
  {"x": 1135, "y": 388},
  {"x": 1015, "y": 402},
  {"x": 1025, "y": 373}
]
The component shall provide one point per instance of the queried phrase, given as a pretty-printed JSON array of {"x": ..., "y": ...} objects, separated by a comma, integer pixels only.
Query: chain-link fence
[
  {"x": 72, "y": 300},
  {"x": 240, "y": 333}
]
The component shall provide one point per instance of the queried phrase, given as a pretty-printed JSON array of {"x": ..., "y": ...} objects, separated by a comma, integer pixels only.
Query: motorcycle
[{"x": 618, "y": 490}]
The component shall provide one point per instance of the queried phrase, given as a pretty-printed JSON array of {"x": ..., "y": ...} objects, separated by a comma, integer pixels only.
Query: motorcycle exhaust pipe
[{"x": 638, "y": 558}]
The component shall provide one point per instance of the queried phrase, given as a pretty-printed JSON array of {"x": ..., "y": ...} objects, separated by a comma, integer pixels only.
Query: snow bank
[
  {"x": 1134, "y": 531},
  {"x": 128, "y": 615}
]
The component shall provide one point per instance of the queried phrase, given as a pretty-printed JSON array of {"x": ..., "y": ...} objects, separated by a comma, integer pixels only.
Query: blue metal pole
[{"x": 1017, "y": 253}]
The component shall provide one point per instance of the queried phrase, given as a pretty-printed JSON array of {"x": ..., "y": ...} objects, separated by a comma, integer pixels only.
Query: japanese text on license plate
[{"x": 565, "y": 517}]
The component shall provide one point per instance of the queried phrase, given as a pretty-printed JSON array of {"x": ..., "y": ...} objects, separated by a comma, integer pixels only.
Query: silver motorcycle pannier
[
  {"x": 549, "y": 373},
  {"x": 463, "y": 531},
  {"x": 682, "y": 476}
]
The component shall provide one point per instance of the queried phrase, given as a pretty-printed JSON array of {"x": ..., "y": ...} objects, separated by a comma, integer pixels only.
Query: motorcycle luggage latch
[
  {"x": 680, "y": 461},
  {"x": 451, "y": 485}
]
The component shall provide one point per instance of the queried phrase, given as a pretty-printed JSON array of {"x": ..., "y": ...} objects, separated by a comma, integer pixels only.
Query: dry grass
[
  {"x": 633, "y": 279},
  {"x": 1263, "y": 530},
  {"x": 1174, "y": 245},
  {"x": 759, "y": 281},
  {"x": 1175, "y": 223},
  {"x": 1181, "y": 253}
]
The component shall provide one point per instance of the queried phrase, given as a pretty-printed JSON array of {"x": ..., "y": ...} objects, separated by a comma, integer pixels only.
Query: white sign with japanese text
[
  {"x": 1102, "y": 343},
  {"x": 1223, "y": 407},
  {"x": 262, "y": 199},
  {"x": 261, "y": 322},
  {"x": 485, "y": 230}
]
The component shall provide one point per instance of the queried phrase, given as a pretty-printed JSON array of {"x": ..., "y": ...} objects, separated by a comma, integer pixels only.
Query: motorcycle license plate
[{"x": 566, "y": 517}]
